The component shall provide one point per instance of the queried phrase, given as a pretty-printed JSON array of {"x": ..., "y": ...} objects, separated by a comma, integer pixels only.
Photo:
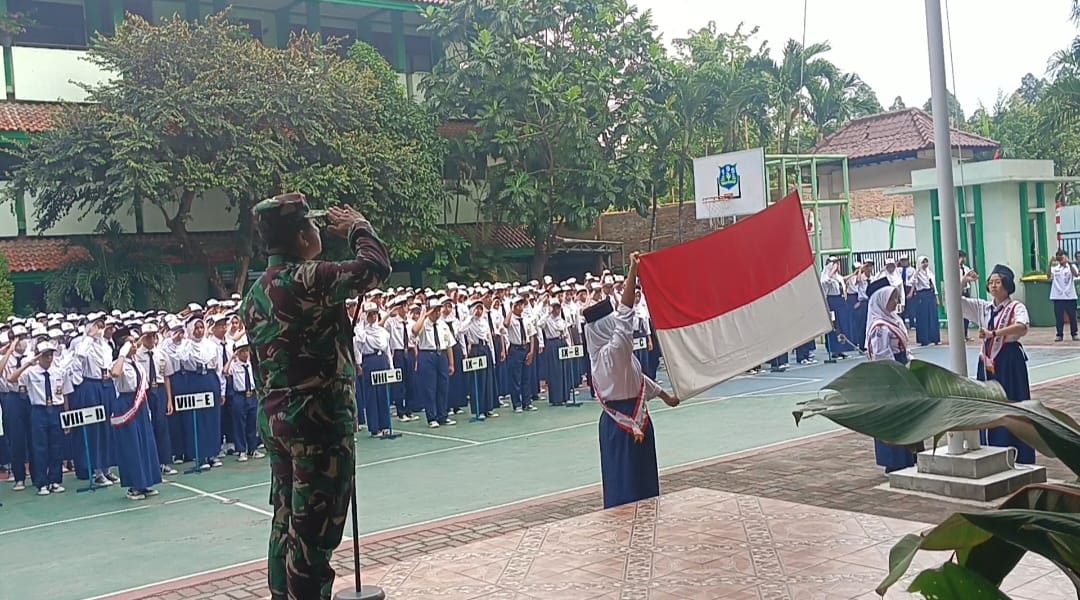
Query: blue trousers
[
  {"x": 481, "y": 383},
  {"x": 243, "y": 414},
  {"x": 558, "y": 392},
  {"x": 520, "y": 393},
  {"x": 398, "y": 391},
  {"x": 17, "y": 431},
  {"x": 433, "y": 381},
  {"x": 46, "y": 464},
  {"x": 375, "y": 398}
]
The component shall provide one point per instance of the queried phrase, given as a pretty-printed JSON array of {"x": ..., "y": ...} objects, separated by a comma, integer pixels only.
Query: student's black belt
[
  {"x": 555, "y": 339},
  {"x": 371, "y": 354},
  {"x": 518, "y": 346}
]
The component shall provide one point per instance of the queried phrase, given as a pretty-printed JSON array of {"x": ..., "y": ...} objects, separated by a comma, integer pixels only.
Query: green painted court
[{"x": 58, "y": 547}]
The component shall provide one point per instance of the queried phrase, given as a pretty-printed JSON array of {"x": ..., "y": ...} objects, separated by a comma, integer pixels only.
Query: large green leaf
[
  {"x": 903, "y": 406},
  {"x": 992, "y": 543},
  {"x": 953, "y": 582}
]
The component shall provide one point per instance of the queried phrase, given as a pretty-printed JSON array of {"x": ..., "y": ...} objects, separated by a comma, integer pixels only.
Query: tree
[
  {"x": 897, "y": 104},
  {"x": 553, "y": 87},
  {"x": 956, "y": 111},
  {"x": 116, "y": 270},
  {"x": 837, "y": 98},
  {"x": 201, "y": 112},
  {"x": 7, "y": 289}
]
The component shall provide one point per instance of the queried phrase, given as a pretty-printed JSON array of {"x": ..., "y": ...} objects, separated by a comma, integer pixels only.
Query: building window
[
  {"x": 254, "y": 27},
  {"x": 143, "y": 8},
  {"x": 1038, "y": 261},
  {"x": 419, "y": 52},
  {"x": 55, "y": 25}
]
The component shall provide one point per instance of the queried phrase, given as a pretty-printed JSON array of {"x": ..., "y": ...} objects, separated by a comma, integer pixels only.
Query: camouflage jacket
[{"x": 301, "y": 339}]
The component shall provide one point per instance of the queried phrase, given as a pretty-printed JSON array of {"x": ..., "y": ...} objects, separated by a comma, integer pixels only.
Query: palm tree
[
  {"x": 798, "y": 69},
  {"x": 838, "y": 98},
  {"x": 115, "y": 269}
]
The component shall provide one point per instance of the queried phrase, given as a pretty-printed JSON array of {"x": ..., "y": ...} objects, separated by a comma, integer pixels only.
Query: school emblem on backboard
[{"x": 727, "y": 181}]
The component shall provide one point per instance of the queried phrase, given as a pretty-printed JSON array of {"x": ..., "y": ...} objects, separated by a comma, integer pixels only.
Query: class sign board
[
  {"x": 570, "y": 352},
  {"x": 81, "y": 417},
  {"x": 731, "y": 184},
  {"x": 641, "y": 343},
  {"x": 185, "y": 402},
  {"x": 474, "y": 363},
  {"x": 386, "y": 377}
]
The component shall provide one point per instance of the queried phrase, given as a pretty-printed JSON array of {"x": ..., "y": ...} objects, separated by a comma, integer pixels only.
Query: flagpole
[{"x": 950, "y": 248}]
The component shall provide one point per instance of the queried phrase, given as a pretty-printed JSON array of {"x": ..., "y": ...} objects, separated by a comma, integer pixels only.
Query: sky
[{"x": 994, "y": 42}]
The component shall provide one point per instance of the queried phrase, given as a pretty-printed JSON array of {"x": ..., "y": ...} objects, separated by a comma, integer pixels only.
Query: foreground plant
[{"x": 903, "y": 406}]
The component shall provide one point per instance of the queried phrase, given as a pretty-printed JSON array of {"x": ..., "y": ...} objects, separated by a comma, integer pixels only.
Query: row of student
[{"x": 426, "y": 333}]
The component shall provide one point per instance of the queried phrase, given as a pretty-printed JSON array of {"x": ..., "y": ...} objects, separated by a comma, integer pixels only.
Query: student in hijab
[
  {"x": 133, "y": 434},
  {"x": 832, "y": 283},
  {"x": 373, "y": 349},
  {"x": 1002, "y": 322},
  {"x": 627, "y": 446},
  {"x": 886, "y": 339},
  {"x": 924, "y": 303}
]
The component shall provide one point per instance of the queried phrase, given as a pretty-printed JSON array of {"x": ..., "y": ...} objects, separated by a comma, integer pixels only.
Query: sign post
[
  {"x": 474, "y": 365},
  {"x": 193, "y": 403},
  {"x": 384, "y": 379},
  {"x": 567, "y": 355},
  {"x": 81, "y": 417}
]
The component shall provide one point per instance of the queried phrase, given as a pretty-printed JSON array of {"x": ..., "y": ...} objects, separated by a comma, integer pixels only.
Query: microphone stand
[{"x": 359, "y": 591}]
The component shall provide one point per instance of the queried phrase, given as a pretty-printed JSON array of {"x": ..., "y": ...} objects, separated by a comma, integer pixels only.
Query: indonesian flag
[{"x": 736, "y": 298}]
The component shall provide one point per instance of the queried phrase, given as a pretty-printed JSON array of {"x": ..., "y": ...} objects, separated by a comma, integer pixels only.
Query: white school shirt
[
  {"x": 162, "y": 366},
  {"x": 193, "y": 355},
  {"x": 553, "y": 326},
  {"x": 921, "y": 280},
  {"x": 833, "y": 285},
  {"x": 33, "y": 379},
  {"x": 883, "y": 344},
  {"x": 514, "y": 330},
  {"x": 96, "y": 356},
  {"x": 371, "y": 339},
  {"x": 426, "y": 339},
  {"x": 396, "y": 326},
  {"x": 1062, "y": 281},
  {"x": 128, "y": 381},
  {"x": 237, "y": 371},
  {"x": 616, "y": 372},
  {"x": 977, "y": 311}
]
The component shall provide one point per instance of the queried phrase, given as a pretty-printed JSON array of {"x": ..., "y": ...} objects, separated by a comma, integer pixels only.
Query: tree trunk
[
  {"x": 244, "y": 246},
  {"x": 542, "y": 248},
  {"x": 652, "y": 226},
  {"x": 192, "y": 250}
]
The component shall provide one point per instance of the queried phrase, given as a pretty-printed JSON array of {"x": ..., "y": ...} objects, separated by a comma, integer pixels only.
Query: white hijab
[{"x": 877, "y": 309}]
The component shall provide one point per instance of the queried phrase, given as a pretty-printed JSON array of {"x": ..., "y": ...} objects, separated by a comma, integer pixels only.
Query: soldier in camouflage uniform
[{"x": 306, "y": 374}]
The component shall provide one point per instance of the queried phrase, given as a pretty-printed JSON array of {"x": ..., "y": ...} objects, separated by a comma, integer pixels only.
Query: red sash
[
  {"x": 140, "y": 399},
  {"x": 992, "y": 347},
  {"x": 896, "y": 331},
  {"x": 635, "y": 425}
]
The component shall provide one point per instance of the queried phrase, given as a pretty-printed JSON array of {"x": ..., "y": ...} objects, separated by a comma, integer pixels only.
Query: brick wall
[{"x": 633, "y": 230}]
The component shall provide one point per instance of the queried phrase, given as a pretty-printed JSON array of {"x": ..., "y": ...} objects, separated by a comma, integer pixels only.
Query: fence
[
  {"x": 878, "y": 256},
  {"x": 1070, "y": 242}
]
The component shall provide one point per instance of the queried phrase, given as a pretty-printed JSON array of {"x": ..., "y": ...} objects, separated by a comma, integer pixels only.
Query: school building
[{"x": 41, "y": 65}]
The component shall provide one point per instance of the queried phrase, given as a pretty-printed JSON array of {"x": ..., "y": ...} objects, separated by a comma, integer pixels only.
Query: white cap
[
  {"x": 149, "y": 328},
  {"x": 94, "y": 317},
  {"x": 211, "y": 303},
  {"x": 370, "y": 307},
  {"x": 194, "y": 307},
  {"x": 55, "y": 333},
  {"x": 434, "y": 303},
  {"x": 44, "y": 347},
  {"x": 18, "y": 330},
  {"x": 241, "y": 343},
  {"x": 351, "y": 301}
]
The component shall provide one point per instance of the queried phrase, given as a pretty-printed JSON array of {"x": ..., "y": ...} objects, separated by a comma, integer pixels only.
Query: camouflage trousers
[{"x": 310, "y": 490}]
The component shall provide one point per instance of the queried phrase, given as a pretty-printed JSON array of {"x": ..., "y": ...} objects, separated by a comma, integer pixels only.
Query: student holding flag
[{"x": 627, "y": 444}]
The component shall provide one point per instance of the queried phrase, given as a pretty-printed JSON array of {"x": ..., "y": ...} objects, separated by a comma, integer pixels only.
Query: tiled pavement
[{"x": 833, "y": 471}]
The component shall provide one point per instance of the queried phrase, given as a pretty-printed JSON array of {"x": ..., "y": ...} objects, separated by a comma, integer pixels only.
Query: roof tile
[
  {"x": 501, "y": 235},
  {"x": 37, "y": 254},
  {"x": 29, "y": 117},
  {"x": 897, "y": 132}
]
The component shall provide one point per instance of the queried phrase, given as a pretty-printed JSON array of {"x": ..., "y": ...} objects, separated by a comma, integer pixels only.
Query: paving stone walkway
[{"x": 835, "y": 471}]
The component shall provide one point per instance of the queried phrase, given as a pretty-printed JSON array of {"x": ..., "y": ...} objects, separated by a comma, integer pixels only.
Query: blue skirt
[
  {"x": 628, "y": 468},
  {"x": 201, "y": 425},
  {"x": 558, "y": 392},
  {"x": 893, "y": 458},
  {"x": 136, "y": 447},
  {"x": 927, "y": 327},
  {"x": 376, "y": 404},
  {"x": 1011, "y": 372}
]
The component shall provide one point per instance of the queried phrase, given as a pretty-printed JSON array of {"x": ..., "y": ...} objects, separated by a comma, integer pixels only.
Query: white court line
[
  {"x": 73, "y": 520},
  {"x": 437, "y": 437},
  {"x": 230, "y": 501},
  {"x": 771, "y": 391},
  {"x": 462, "y": 514}
]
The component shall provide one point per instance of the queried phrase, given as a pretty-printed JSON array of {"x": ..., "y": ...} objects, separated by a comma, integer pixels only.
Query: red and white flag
[{"x": 736, "y": 298}]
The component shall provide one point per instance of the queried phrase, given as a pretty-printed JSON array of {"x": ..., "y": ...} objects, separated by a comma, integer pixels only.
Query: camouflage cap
[{"x": 286, "y": 205}]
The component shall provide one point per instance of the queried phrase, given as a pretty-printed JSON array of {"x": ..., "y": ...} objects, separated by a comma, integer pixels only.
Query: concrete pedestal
[{"x": 980, "y": 475}]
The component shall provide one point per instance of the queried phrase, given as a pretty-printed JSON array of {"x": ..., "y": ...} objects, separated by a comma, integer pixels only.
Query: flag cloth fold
[{"x": 736, "y": 298}]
